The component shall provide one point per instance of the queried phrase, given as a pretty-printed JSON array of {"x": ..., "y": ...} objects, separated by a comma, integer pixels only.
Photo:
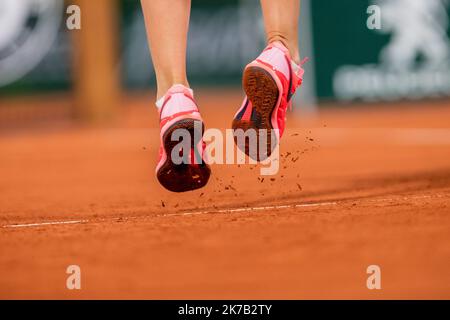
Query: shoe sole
[
  {"x": 185, "y": 176},
  {"x": 262, "y": 90}
]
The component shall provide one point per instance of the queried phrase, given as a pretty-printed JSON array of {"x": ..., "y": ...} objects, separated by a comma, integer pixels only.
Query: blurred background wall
[{"x": 408, "y": 58}]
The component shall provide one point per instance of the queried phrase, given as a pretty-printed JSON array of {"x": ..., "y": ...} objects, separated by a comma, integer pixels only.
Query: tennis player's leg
[
  {"x": 281, "y": 19},
  {"x": 167, "y": 24},
  {"x": 181, "y": 166},
  {"x": 270, "y": 81}
]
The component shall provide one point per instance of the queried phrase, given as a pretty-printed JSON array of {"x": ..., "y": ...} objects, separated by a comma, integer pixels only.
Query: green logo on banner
[{"x": 408, "y": 56}]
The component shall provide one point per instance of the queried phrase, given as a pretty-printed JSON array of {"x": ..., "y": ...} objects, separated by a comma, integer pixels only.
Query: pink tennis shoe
[
  {"x": 269, "y": 82},
  {"x": 180, "y": 170}
]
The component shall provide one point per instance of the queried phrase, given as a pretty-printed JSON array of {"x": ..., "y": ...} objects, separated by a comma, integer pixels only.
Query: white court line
[
  {"x": 248, "y": 209},
  {"x": 39, "y": 224},
  {"x": 193, "y": 213},
  {"x": 218, "y": 211}
]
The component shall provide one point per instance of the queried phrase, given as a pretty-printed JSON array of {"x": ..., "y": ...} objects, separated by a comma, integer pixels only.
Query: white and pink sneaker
[
  {"x": 269, "y": 82},
  {"x": 181, "y": 170}
]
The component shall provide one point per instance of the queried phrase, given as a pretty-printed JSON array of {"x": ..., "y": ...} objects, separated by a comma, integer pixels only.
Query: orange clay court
[{"x": 357, "y": 186}]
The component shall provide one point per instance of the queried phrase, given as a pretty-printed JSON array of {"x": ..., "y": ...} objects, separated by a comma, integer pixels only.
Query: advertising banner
[{"x": 405, "y": 56}]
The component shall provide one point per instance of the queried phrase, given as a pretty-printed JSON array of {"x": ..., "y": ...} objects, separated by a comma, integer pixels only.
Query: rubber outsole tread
[
  {"x": 262, "y": 91},
  {"x": 184, "y": 176}
]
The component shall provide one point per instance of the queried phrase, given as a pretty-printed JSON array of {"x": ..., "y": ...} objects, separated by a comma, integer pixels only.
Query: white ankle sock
[{"x": 159, "y": 103}]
